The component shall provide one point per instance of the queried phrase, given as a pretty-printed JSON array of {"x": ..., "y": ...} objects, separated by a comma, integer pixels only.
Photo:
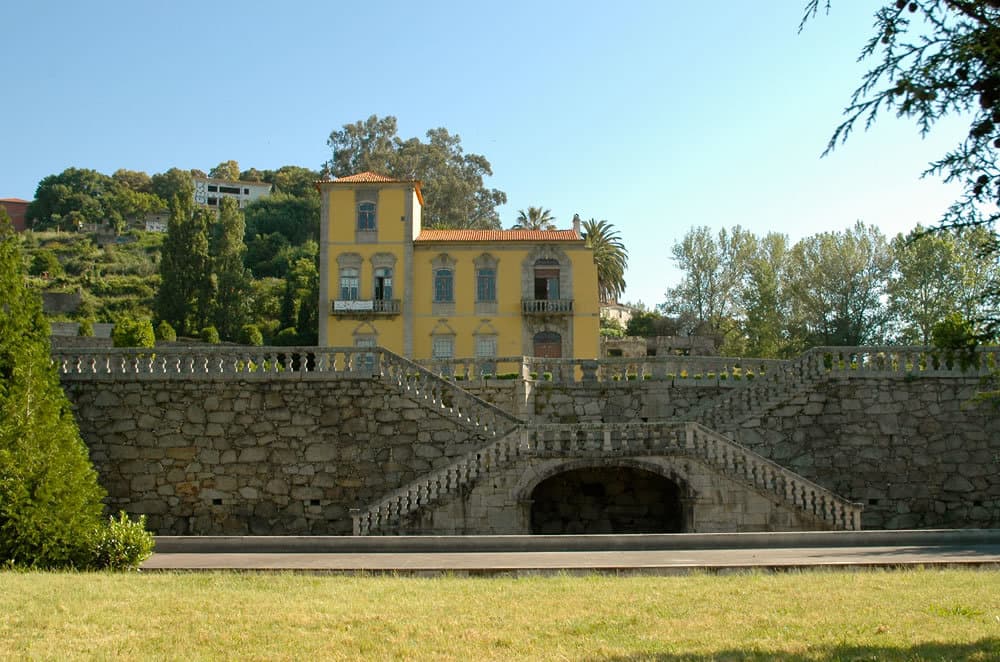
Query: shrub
[
  {"x": 129, "y": 332},
  {"x": 287, "y": 337},
  {"x": 45, "y": 262},
  {"x": 122, "y": 544},
  {"x": 165, "y": 332},
  {"x": 250, "y": 335},
  {"x": 86, "y": 329},
  {"x": 210, "y": 335}
]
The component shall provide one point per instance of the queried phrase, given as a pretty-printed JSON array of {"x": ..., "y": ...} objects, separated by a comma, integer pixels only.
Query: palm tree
[
  {"x": 535, "y": 218},
  {"x": 610, "y": 256}
]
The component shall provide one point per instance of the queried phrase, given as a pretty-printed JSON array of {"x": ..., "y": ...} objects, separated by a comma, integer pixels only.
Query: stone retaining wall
[
  {"x": 261, "y": 457},
  {"x": 918, "y": 452}
]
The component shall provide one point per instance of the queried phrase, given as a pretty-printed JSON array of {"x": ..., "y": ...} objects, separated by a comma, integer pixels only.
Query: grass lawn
[{"x": 876, "y": 615}]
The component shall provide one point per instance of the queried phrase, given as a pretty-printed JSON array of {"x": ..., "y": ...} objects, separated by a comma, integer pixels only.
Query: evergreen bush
[
  {"x": 131, "y": 332},
  {"x": 165, "y": 332},
  {"x": 50, "y": 500},
  {"x": 210, "y": 335},
  {"x": 250, "y": 335}
]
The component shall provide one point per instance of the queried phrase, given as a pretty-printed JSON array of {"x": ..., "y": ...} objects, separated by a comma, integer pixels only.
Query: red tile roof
[
  {"x": 498, "y": 235},
  {"x": 13, "y": 200},
  {"x": 367, "y": 178}
]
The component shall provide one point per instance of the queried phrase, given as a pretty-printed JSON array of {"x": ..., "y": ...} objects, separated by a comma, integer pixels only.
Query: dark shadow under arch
[{"x": 616, "y": 499}]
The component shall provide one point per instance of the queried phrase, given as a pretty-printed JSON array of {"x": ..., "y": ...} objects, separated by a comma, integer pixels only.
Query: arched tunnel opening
[{"x": 606, "y": 500}]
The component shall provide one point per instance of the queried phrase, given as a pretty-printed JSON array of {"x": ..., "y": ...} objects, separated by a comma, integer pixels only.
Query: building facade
[
  {"x": 441, "y": 294},
  {"x": 17, "y": 209},
  {"x": 208, "y": 192}
]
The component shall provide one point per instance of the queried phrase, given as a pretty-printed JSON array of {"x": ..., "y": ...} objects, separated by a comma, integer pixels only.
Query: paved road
[{"x": 663, "y": 561}]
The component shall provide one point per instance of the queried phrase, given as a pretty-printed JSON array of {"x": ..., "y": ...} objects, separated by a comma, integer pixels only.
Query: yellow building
[{"x": 448, "y": 293}]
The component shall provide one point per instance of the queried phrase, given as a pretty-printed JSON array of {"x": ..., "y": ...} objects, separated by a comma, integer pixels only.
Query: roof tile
[{"x": 498, "y": 235}]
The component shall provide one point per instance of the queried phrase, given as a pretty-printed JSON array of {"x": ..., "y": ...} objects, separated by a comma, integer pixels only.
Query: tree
[
  {"x": 134, "y": 180},
  {"x": 295, "y": 218},
  {"x": 73, "y": 196},
  {"x": 935, "y": 58},
  {"x": 926, "y": 283},
  {"x": 232, "y": 278},
  {"x": 836, "y": 284},
  {"x": 536, "y": 218},
  {"x": 294, "y": 181},
  {"x": 454, "y": 193},
  {"x": 50, "y": 500},
  {"x": 764, "y": 298},
  {"x": 714, "y": 266},
  {"x": 174, "y": 183},
  {"x": 610, "y": 256},
  {"x": 226, "y": 170},
  {"x": 185, "y": 268}
]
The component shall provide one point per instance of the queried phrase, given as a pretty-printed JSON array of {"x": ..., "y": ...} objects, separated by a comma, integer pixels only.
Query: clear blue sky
[{"x": 656, "y": 116}]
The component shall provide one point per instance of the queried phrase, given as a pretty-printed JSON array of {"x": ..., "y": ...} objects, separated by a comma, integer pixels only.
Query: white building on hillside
[{"x": 208, "y": 192}]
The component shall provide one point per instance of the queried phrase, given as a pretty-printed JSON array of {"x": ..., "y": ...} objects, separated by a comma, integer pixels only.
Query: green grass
[{"x": 901, "y": 615}]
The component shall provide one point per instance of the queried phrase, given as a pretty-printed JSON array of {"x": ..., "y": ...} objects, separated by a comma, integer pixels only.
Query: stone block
[{"x": 253, "y": 455}]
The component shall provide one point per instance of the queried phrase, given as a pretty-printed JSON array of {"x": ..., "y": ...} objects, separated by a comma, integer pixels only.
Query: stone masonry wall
[
  {"x": 919, "y": 453},
  {"x": 257, "y": 457}
]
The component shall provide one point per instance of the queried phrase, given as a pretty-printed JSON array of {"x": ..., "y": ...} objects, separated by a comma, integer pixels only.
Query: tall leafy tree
[
  {"x": 232, "y": 278},
  {"x": 926, "y": 283},
  {"x": 454, "y": 192},
  {"x": 714, "y": 266},
  {"x": 836, "y": 284},
  {"x": 294, "y": 180},
  {"x": 764, "y": 298},
  {"x": 76, "y": 195},
  {"x": 174, "y": 183},
  {"x": 226, "y": 170},
  {"x": 535, "y": 218},
  {"x": 50, "y": 500},
  {"x": 185, "y": 293},
  {"x": 610, "y": 256},
  {"x": 931, "y": 59}
]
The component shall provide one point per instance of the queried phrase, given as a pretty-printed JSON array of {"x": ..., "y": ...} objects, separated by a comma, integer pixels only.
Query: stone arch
[{"x": 621, "y": 495}]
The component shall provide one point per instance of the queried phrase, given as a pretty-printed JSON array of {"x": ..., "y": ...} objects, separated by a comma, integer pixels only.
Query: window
[
  {"x": 546, "y": 279},
  {"x": 383, "y": 284},
  {"x": 366, "y": 217},
  {"x": 349, "y": 284},
  {"x": 486, "y": 347},
  {"x": 486, "y": 284},
  {"x": 444, "y": 347},
  {"x": 443, "y": 286},
  {"x": 364, "y": 362}
]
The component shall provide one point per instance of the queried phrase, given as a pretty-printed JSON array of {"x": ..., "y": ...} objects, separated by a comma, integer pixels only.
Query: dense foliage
[
  {"x": 761, "y": 297},
  {"x": 50, "y": 501},
  {"x": 455, "y": 195}
]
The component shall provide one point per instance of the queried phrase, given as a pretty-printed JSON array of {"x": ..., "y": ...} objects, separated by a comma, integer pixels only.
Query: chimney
[{"x": 576, "y": 224}]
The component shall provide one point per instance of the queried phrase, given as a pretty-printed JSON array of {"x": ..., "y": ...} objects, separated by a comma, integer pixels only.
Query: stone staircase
[
  {"x": 692, "y": 440},
  {"x": 445, "y": 396},
  {"x": 799, "y": 376}
]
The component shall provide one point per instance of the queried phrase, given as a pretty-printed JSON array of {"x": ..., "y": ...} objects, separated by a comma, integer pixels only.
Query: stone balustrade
[
  {"x": 790, "y": 377},
  {"x": 421, "y": 383},
  {"x": 615, "y": 440},
  {"x": 217, "y": 362}
]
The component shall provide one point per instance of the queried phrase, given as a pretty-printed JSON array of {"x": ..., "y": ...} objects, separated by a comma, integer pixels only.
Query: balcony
[
  {"x": 365, "y": 308},
  {"x": 546, "y": 306}
]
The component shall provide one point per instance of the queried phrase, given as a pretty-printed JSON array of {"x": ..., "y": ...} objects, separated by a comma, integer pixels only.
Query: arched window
[
  {"x": 444, "y": 290},
  {"x": 366, "y": 217}
]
